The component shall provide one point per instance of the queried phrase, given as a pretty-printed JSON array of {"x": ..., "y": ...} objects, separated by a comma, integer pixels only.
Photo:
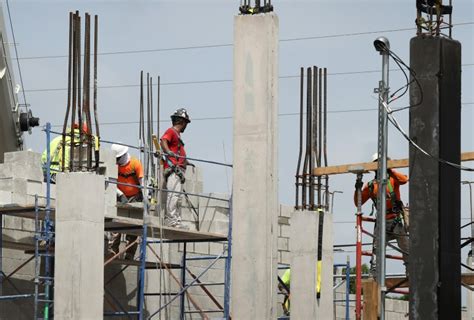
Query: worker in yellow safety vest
[{"x": 56, "y": 150}]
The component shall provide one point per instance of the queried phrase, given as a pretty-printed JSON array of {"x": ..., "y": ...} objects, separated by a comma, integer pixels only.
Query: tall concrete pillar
[
  {"x": 255, "y": 198},
  {"x": 79, "y": 246},
  {"x": 303, "y": 247},
  {"x": 435, "y": 195}
]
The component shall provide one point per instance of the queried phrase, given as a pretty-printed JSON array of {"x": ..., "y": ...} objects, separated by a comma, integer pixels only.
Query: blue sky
[{"x": 340, "y": 35}]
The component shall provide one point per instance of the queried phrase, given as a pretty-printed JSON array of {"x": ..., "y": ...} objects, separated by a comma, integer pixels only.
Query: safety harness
[{"x": 397, "y": 206}]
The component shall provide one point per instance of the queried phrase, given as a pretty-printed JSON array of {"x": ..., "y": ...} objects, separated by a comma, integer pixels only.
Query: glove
[
  {"x": 123, "y": 199},
  {"x": 358, "y": 185}
]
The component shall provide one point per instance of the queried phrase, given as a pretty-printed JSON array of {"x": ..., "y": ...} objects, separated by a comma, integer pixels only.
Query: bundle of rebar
[
  {"x": 313, "y": 133},
  {"x": 430, "y": 19},
  {"x": 247, "y": 8},
  {"x": 80, "y": 130}
]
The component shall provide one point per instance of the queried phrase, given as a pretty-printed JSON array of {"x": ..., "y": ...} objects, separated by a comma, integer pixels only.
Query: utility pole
[{"x": 382, "y": 45}]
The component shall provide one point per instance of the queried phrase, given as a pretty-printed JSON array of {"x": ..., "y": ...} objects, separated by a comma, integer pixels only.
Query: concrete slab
[
  {"x": 79, "y": 248},
  {"x": 255, "y": 164}
]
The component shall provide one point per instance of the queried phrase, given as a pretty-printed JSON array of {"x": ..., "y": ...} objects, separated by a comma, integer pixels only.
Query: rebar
[
  {"x": 74, "y": 92},
  {"x": 68, "y": 106},
  {"x": 300, "y": 152},
  {"x": 319, "y": 143},
  {"x": 79, "y": 95},
  {"x": 96, "y": 115},
  {"x": 325, "y": 123}
]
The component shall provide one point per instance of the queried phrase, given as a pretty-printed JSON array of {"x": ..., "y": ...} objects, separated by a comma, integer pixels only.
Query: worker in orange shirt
[
  {"x": 130, "y": 181},
  {"x": 394, "y": 226}
]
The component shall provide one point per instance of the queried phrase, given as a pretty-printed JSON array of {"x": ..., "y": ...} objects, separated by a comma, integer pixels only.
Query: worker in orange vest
[
  {"x": 394, "y": 225},
  {"x": 130, "y": 180}
]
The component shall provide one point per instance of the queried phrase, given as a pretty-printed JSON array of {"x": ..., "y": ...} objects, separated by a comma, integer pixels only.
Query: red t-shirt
[{"x": 176, "y": 145}]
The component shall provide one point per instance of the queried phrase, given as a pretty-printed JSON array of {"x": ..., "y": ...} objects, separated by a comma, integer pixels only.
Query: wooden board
[{"x": 370, "y": 166}]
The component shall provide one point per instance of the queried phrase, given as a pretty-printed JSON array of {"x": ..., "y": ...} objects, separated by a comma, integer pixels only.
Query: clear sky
[{"x": 336, "y": 34}]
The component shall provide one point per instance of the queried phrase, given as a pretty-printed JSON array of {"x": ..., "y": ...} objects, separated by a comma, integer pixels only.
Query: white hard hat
[
  {"x": 119, "y": 150},
  {"x": 375, "y": 157}
]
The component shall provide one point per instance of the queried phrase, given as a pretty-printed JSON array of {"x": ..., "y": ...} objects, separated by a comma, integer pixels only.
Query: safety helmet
[
  {"x": 181, "y": 113},
  {"x": 375, "y": 157},
  {"x": 119, "y": 150}
]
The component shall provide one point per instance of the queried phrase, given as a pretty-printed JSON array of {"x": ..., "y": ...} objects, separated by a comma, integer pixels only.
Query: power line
[
  {"x": 230, "y": 44},
  {"x": 177, "y": 83},
  {"x": 230, "y": 117}
]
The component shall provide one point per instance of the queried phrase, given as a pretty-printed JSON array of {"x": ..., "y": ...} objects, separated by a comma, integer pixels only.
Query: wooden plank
[
  {"x": 371, "y": 301},
  {"x": 370, "y": 166},
  {"x": 466, "y": 278}
]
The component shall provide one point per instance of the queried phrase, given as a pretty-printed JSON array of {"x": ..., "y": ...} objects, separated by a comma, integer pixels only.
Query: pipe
[{"x": 382, "y": 178}]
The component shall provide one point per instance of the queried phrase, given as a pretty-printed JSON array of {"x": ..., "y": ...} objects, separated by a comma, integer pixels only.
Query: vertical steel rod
[
  {"x": 183, "y": 282},
  {"x": 300, "y": 152},
  {"x": 228, "y": 261},
  {"x": 47, "y": 221},
  {"x": 74, "y": 94},
  {"x": 320, "y": 113},
  {"x": 96, "y": 115},
  {"x": 325, "y": 122},
  {"x": 382, "y": 178},
  {"x": 69, "y": 74},
  {"x": 310, "y": 136},
  {"x": 348, "y": 286},
  {"x": 79, "y": 93},
  {"x": 358, "y": 281}
]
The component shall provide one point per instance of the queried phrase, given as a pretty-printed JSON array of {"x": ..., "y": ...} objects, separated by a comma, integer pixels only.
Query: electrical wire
[
  {"x": 399, "y": 61},
  {"x": 230, "y": 44},
  {"x": 215, "y": 81},
  {"x": 16, "y": 54},
  {"x": 230, "y": 117},
  {"x": 395, "y": 123}
]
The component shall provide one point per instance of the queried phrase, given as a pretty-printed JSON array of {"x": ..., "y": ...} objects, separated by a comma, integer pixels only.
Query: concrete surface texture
[
  {"x": 324, "y": 305},
  {"x": 79, "y": 259},
  {"x": 255, "y": 202},
  {"x": 303, "y": 264}
]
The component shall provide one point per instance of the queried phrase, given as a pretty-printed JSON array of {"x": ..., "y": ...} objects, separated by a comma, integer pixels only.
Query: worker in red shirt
[
  {"x": 130, "y": 179},
  {"x": 394, "y": 225},
  {"x": 175, "y": 165}
]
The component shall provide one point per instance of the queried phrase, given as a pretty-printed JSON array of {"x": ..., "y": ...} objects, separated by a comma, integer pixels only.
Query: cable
[
  {"x": 399, "y": 61},
  {"x": 230, "y": 117},
  {"x": 230, "y": 44},
  {"x": 215, "y": 81},
  {"x": 16, "y": 54},
  {"x": 395, "y": 123}
]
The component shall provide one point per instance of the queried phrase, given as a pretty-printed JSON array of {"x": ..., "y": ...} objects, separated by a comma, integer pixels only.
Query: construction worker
[
  {"x": 130, "y": 179},
  {"x": 284, "y": 287},
  {"x": 56, "y": 151},
  {"x": 175, "y": 165},
  {"x": 394, "y": 226}
]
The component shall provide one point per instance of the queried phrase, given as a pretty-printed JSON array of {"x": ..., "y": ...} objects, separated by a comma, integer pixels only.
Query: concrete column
[
  {"x": 255, "y": 198},
  {"x": 303, "y": 247},
  {"x": 435, "y": 188},
  {"x": 79, "y": 248},
  {"x": 325, "y": 305}
]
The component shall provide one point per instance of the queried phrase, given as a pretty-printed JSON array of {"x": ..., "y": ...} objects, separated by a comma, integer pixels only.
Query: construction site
[{"x": 322, "y": 143}]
